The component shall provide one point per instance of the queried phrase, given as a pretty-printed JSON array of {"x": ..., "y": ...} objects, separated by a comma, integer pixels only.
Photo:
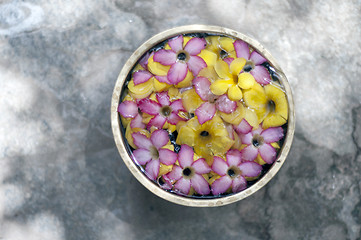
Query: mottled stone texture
[{"x": 61, "y": 177}]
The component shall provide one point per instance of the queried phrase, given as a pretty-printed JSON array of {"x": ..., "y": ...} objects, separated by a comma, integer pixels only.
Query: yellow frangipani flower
[{"x": 218, "y": 48}]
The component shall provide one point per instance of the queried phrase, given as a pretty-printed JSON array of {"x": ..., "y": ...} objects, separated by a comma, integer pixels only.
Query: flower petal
[
  {"x": 237, "y": 65},
  {"x": 202, "y": 87},
  {"x": 176, "y": 44},
  {"x": 159, "y": 138},
  {"x": 137, "y": 122},
  {"x": 142, "y": 156},
  {"x": 205, "y": 112},
  {"x": 200, "y": 184},
  {"x": 239, "y": 184},
  {"x": 177, "y": 106},
  {"x": 185, "y": 156},
  {"x": 128, "y": 109},
  {"x": 250, "y": 169},
  {"x": 152, "y": 169},
  {"x": 149, "y": 106},
  {"x": 163, "y": 79},
  {"x": 242, "y": 49},
  {"x": 174, "y": 118},
  {"x": 224, "y": 104},
  {"x": 234, "y": 157},
  {"x": 257, "y": 58},
  {"x": 246, "y": 80},
  {"x": 209, "y": 57},
  {"x": 165, "y": 57},
  {"x": 201, "y": 166},
  {"x": 234, "y": 93},
  {"x": 222, "y": 70},
  {"x": 268, "y": 153},
  {"x": 167, "y": 156},
  {"x": 177, "y": 73},
  {"x": 141, "y": 141},
  {"x": 195, "y": 46},
  {"x": 141, "y": 76},
  {"x": 183, "y": 185},
  {"x": 261, "y": 75},
  {"x": 158, "y": 121},
  {"x": 163, "y": 98},
  {"x": 175, "y": 174},
  {"x": 228, "y": 60},
  {"x": 247, "y": 138},
  {"x": 196, "y": 64},
  {"x": 271, "y": 135},
  {"x": 219, "y": 166},
  {"x": 186, "y": 135},
  {"x": 221, "y": 185},
  {"x": 220, "y": 86},
  {"x": 249, "y": 153},
  {"x": 243, "y": 128}
]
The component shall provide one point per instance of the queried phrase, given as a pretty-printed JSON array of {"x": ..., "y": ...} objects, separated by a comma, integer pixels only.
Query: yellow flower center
[
  {"x": 257, "y": 140},
  {"x": 165, "y": 111},
  {"x": 188, "y": 172},
  {"x": 233, "y": 172},
  {"x": 182, "y": 56}
]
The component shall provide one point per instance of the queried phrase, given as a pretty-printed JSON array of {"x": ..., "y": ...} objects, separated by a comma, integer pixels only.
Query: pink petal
[
  {"x": 142, "y": 156},
  {"x": 243, "y": 127},
  {"x": 250, "y": 169},
  {"x": 141, "y": 141},
  {"x": 144, "y": 61},
  {"x": 196, "y": 64},
  {"x": 200, "y": 184},
  {"x": 167, "y": 156},
  {"x": 239, "y": 184},
  {"x": 242, "y": 49},
  {"x": 219, "y": 166},
  {"x": 177, "y": 106},
  {"x": 152, "y": 169},
  {"x": 201, "y": 166},
  {"x": 163, "y": 98},
  {"x": 183, "y": 185},
  {"x": 141, "y": 76},
  {"x": 205, "y": 112},
  {"x": 257, "y": 58},
  {"x": 158, "y": 121},
  {"x": 195, "y": 46},
  {"x": 177, "y": 73},
  {"x": 268, "y": 153},
  {"x": 261, "y": 75},
  {"x": 175, "y": 174},
  {"x": 176, "y": 44},
  {"x": 228, "y": 60},
  {"x": 174, "y": 118},
  {"x": 224, "y": 104},
  {"x": 185, "y": 156},
  {"x": 249, "y": 153},
  {"x": 272, "y": 134},
  {"x": 165, "y": 57},
  {"x": 163, "y": 79},
  {"x": 221, "y": 185},
  {"x": 247, "y": 138},
  {"x": 159, "y": 138},
  {"x": 137, "y": 122},
  {"x": 234, "y": 157},
  {"x": 149, "y": 106},
  {"x": 128, "y": 109},
  {"x": 202, "y": 87}
]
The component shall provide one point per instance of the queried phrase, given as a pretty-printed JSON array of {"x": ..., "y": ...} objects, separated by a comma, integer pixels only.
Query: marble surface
[{"x": 61, "y": 177}]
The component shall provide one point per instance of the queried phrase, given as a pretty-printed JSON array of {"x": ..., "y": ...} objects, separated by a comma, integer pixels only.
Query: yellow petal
[
  {"x": 222, "y": 69},
  {"x": 173, "y": 93},
  {"x": 164, "y": 169},
  {"x": 234, "y": 93},
  {"x": 172, "y": 127},
  {"x": 226, "y": 43},
  {"x": 282, "y": 107},
  {"x": 277, "y": 95},
  {"x": 235, "y": 117},
  {"x": 160, "y": 86},
  {"x": 209, "y": 57},
  {"x": 138, "y": 67},
  {"x": 187, "y": 82},
  {"x": 273, "y": 120},
  {"x": 141, "y": 90},
  {"x": 213, "y": 43},
  {"x": 259, "y": 160},
  {"x": 251, "y": 117},
  {"x": 185, "y": 136},
  {"x": 169, "y": 146},
  {"x": 220, "y": 86},
  {"x": 237, "y": 65},
  {"x": 156, "y": 68},
  {"x": 255, "y": 97},
  {"x": 246, "y": 80},
  {"x": 275, "y": 145},
  {"x": 209, "y": 73},
  {"x": 186, "y": 40},
  {"x": 191, "y": 100}
]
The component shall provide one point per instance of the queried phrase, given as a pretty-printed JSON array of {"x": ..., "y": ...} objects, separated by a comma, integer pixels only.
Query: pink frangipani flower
[
  {"x": 129, "y": 109},
  {"x": 233, "y": 172},
  {"x": 163, "y": 111},
  {"x": 253, "y": 64},
  {"x": 181, "y": 59},
  {"x": 149, "y": 152},
  {"x": 259, "y": 142},
  {"x": 213, "y": 102},
  {"x": 189, "y": 173}
]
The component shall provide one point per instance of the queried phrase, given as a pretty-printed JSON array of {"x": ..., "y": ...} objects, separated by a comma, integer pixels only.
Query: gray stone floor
[{"x": 61, "y": 177}]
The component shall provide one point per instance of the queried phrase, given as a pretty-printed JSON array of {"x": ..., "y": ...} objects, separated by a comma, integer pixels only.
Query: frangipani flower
[
  {"x": 259, "y": 142},
  {"x": 189, "y": 173},
  {"x": 218, "y": 48},
  {"x": 252, "y": 68},
  {"x": 163, "y": 111},
  {"x": 151, "y": 152},
  {"x": 233, "y": 172},
  {"x": 269, "y": 103},
  {"x": 181, "y": 58},
  {"x": 207, "y": 139}
]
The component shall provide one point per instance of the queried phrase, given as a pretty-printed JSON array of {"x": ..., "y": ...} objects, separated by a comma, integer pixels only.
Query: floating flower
[
  {"x": 252, "y": 68},
  {"x": 129, "y": 109},
  {"x": 269, "y": 103},
  {"x": 163, "y": 110},
  {"x": 207, "y": 139},
  {"x": 153, "y": 151},
  {"x": 233, "y": 172},
  {"x": 181, "y": 58},
  {"x": 213, "y": 102},
  {"x": 217, "y": 48},
  {"x": 189, "y": 173},
  {"x": 259, "y": 142}
]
